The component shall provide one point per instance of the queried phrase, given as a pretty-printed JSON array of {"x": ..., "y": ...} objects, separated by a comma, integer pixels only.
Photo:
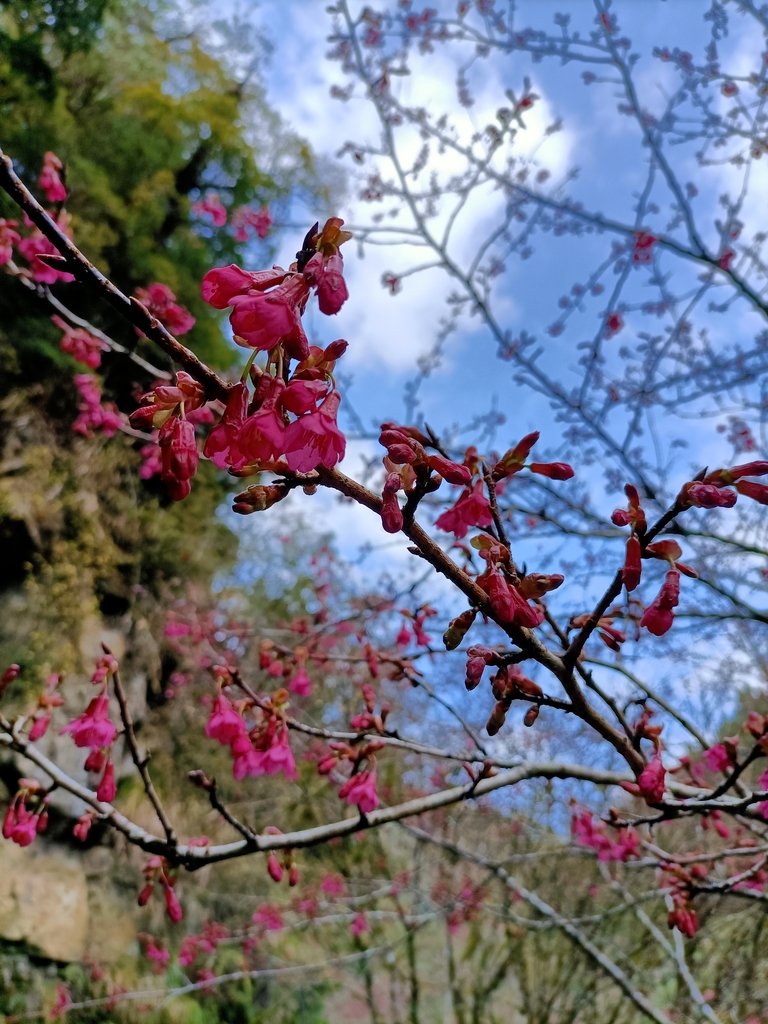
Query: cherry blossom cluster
[
  {"x": 261, "y": 748},
  {"x": 288, "y": 422},
  {"x": 94, "y": 416},
  {"x": 710, "y": 490},
  {"x": 622, "y": 845},
  {"x": 79, "y": 343},
  {"x": 156, "y": 871},
  {"x": 161, "y": 303},
  {"x": 360, "y": 787},
  {"x": 27, "y": 813},
  {"x": 95, "y": 731}
]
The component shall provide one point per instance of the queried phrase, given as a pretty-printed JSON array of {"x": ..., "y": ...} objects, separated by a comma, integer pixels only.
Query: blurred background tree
[{"x": 146, "y": 121}]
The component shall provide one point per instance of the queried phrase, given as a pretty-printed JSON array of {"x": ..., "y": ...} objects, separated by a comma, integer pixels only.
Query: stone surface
[{"x": 43, "y": 901}]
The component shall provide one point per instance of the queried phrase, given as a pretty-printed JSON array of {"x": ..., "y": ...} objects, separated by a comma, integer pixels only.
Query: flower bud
[
  {"x": 458, "y": 628},
  {"x": 274, "y": 868},
  {"x": 498, "y": 716},
  {"x": 552, "y": 470},
  {"x": 531, "y": 715}
]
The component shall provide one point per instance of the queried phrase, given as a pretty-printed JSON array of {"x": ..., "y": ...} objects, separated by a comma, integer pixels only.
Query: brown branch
[{"x": 140, "y": 760}]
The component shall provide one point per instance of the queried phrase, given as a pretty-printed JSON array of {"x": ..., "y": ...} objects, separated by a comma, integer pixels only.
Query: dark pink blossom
[
  {"x": 268, "y": 917},
  {"x": 472, "y": 509},
  {"x": 246, "y": 220},
  {"x": 35, "y": 245},
  {"x": 650, "y": 782},
  {"x": 220, "y": 445},
  {"x": 94, "y": 728},
  {"x": 79, "y": 343},
  {"x": 718, "y": 758},
  {"x": 82, "y": 826},
  {"x": 630, "y": 574},
  {"x": 360, "y": 789},
  {"x": 302, "y": 396},
  {"x": 39, "y": 727},
  {"x": 683, "y": 917},
  {"x": 642, "y": 249},
  {"x": 391, "y": 513},
  {"x": 262, "y": 436},
  {"x": 50, "y": 179},
  {"x": 222, "y": 284},
  {"x": 224, "y": 723},
  {"x": 93, "y": 414},
  {"x": 8, "y": 238},
  {"x": 359, "y": 925},
  {"x": 211, "y": 206},
  {"x": 179, "y": 455},
  {"x": 622, "y": 846},
  {"x": 552, "y": 470},
  {"x": 451, "y": 471},
  {"x": 262, "y": 320},
  {"x": 613, "y": 324},
  {"x": 327, "y": 276},
  {"x": 315, "y": 439},
  {"x": 62, "y": 1003},
  {"x": 658, "y": 617},
  {"x": 277, "y": 757},
  {"x": 21, "y": 825},
  {"x": 172, "y": 905},
  {"x": 107, "y": 788},
  {"x": 161, "y": 302},
  {"x": 507, "y": 602},
  {"x": 301, "y": 684}
]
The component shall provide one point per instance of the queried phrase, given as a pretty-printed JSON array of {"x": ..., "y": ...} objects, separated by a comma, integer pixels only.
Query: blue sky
[{"x": 388, "y": 334}]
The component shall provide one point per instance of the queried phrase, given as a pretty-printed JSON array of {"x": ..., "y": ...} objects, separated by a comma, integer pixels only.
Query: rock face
[{"x": 43, "y": 902}]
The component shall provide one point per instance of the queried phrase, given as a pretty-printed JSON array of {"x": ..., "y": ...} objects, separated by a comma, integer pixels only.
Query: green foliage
[{"x": 143, "y": 125}]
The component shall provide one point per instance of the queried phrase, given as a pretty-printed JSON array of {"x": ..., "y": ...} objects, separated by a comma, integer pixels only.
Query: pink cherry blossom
[
  {"x": 79, "y": 343},
  {"x": 8, "y": 238},
  {"x": 161, "y": 302},
  {"x": 224, "y": 723},
  {"x": 261, "y": 437},
  {"x": 222, "y": 284},
  {"x": 211, "y": 206},
  {"x": 315, "y": 440},
  {"x": 20, "y": 825},
  {"x": 107, "y": 788},
  {"x": 301, "y": 684},
  {"x": 246, "y": 220},
  {"x": 262, "y": 320},
  {"x": 359, "y": 925},
  {"x": 34, "y": 245},
  {"x": 179, "y": 454},
  {"x": 94, "y": 728},
  {"x": 221, "y": 441},
  {"x": 472, "y": 509},
  {"x": 507, "y": 602},
  {"x": 50, "y": 181},
  {"x": 327, "y": 275},
  {"x": 172, "y": 905},
  {"x": 360, "y": 789},
  {"x": 658, "y": 617}
]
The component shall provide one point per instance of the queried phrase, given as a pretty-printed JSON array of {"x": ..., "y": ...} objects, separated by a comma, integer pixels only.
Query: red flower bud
[
  {"x": 274, "y": 868},
  {"x": 630, "y": 574},
  {"x": 531, "y": 715},
  {"x": 757, "y": 492},
  {"x": 553, "y": 470},
  {"x": 707, "y": 496},
  {"x": 450, "y": 471}
]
